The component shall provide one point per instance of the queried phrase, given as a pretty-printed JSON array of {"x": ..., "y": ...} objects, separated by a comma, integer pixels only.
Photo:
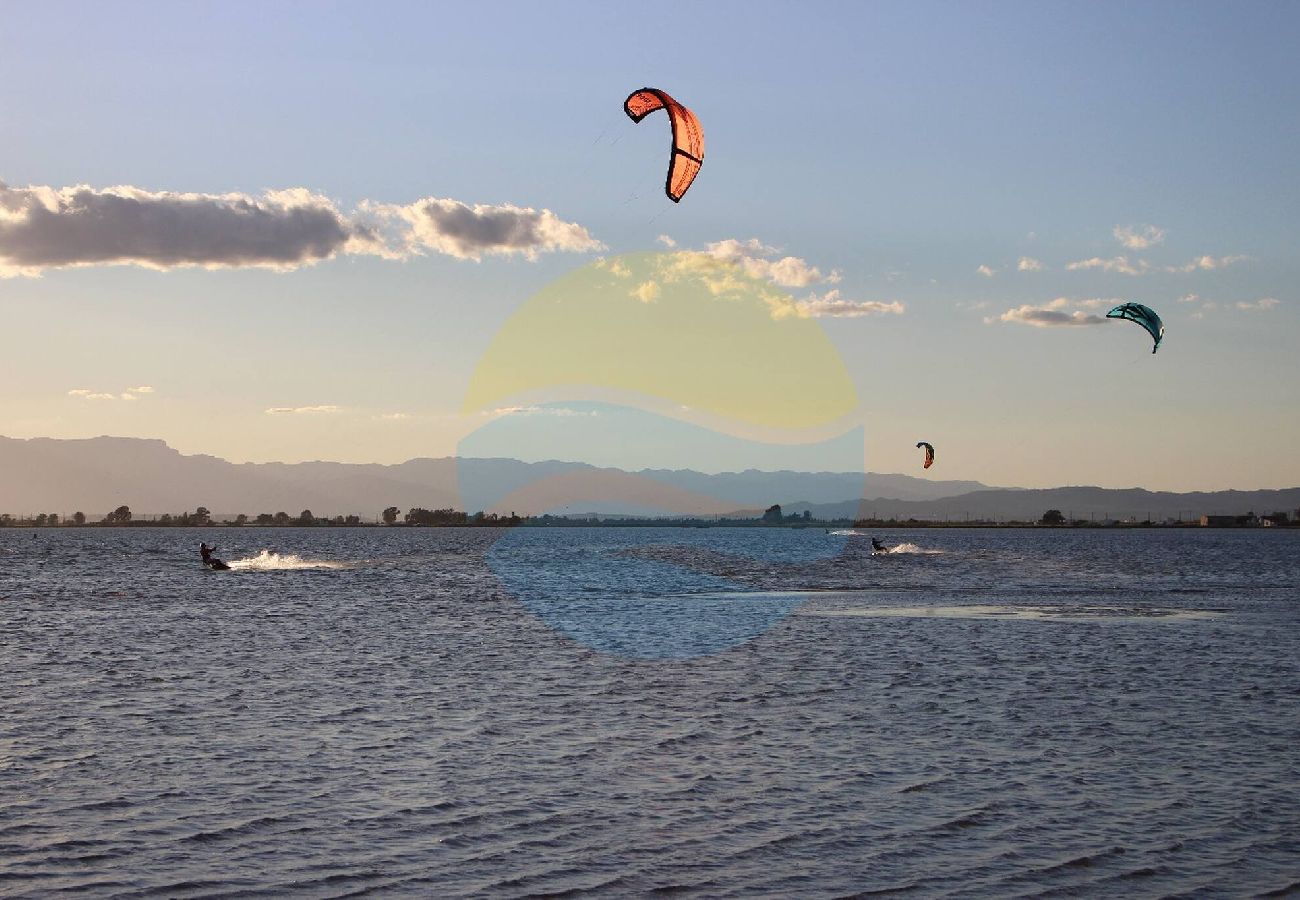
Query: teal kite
[{"x": 1144, "y": 316}]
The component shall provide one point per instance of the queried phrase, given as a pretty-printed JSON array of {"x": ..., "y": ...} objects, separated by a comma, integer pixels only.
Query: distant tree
[
  {"x": 202, "y": 517},
  {"x": 282, "y": 518},
  {"x": 79, "y": 518},
  {"x": 773, "y": 514},
  {"x": 6, "y": 519},
  {"x": 40, "y": 520},
  {"x": 119, "y": 516},
  {"x": 241, "y": 519},
  {"x": 265, "y": 519},
  {"x": 53, "y": 519},
  {"x": 353, "y": 520},
  {"x": 306, "y": 518},
  {"x": 165, "y": 519},
  {"x": 1052, "y": 517},
  {"x": 807, "y": 515},
  {"x": 391, "y": 514},
  {"x": 419, "y": 516}
]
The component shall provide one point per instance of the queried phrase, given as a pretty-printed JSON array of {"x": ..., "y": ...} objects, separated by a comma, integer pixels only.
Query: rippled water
[{"x": 720, "y": 712}]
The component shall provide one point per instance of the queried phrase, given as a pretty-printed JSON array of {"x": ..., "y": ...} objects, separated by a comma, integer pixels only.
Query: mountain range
[{"x": 96, "y": 475}]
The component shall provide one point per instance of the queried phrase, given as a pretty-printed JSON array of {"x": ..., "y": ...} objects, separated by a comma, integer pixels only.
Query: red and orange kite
[{"x": 688, "y": 137}]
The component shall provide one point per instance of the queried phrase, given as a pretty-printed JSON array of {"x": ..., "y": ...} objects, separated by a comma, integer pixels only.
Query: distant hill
[
  {"x": 1075, "y": 502},
  {"x": 96, "y": 475}
]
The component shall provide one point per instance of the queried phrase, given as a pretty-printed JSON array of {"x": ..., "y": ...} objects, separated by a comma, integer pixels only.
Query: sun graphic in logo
[{"x": 657, "y": 351}]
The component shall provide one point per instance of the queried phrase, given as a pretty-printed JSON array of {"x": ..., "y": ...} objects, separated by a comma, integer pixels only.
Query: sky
[{"x": 296, "y": 231}]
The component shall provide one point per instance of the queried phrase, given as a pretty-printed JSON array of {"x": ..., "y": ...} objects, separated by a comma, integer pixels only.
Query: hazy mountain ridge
[{"x": 95, "y": 475}]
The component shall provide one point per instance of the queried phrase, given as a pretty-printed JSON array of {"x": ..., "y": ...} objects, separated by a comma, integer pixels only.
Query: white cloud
[
  {"x": 1029, "y": 264},
  {"x": 646, "y": 291},
  {"x": 1207, "y": 263},
  {"x": 298, "y": 410},
  {"x": 1189, "y": 298},
  {"x": 472, "y": 232},
  {"x": 50, "y": 228},
  {"x": 666, "y": 241},
  {"x": 1260, "y": 304},
  {"x": 752, "y": 256},
  {"x": 1118, "y": 264},
  {"x": 1139, "y": 237},
  {"x": 1049, "y": 315},
  {"x": 393, "y": 417},
  {"x": 561, "y": 411},
  {"x": 986, "y": 271},
  {"x": 129, "y": 394},
  {"x": 1124, "y": 266},
  {"x": 832, "y": 305}
]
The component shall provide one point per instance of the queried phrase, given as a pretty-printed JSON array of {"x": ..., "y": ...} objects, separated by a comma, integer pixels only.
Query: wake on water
[
  {"x": 269, "y": 561},
  {"x": 913, "y": 548},
  {"x": 897, "y": 548}
]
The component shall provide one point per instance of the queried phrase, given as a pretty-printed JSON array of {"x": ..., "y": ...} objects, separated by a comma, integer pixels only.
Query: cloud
[
  {"x": 1190, "y": 298},
  {"x": 1118, "y": 264},
  {"x": 646, "y": 291},
  {"x": 615, "y": 267},
  {"x": 472, "y": 232},
  {"x": 1260, "y": 304},
  {"x": 297, "y": 410},
  {"x": 45, "y": 228},
  {"x": 753, "y": 257},
  {"x": 1123, "y": 266},
  {"x": 1139, "y": 237},
  {"x": 393, "y": 417},
  {"x": 1028, "y": 264},
  {"x": 832, "y": 305},
  {"x": 129, "y": 394},
  {"x": 561, "y": 411},
  {"x": 1049, "y": 315},
  {"x": 666, "y": 241},
  {"x": 1207, "y": 263},
  {"x": 50, "y": 228},
  {"x": 986, "y": 271}
]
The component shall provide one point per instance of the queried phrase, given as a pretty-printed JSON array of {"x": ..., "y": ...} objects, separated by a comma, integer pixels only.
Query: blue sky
[{"x": 902, "y": 146}]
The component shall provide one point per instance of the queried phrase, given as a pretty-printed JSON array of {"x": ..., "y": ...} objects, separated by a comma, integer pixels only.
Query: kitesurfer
[
  {"x": 208, "y": 559},
  {"x": 878, "y": 547}
]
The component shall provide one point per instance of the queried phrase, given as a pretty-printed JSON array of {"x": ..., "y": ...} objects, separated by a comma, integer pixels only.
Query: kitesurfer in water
[
  {"x": 208, "y": 559},
  {"x": 878, "y": 547}
]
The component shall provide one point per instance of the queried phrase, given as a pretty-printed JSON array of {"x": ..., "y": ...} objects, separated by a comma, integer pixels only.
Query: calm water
[{"x": 709, "y": 712}]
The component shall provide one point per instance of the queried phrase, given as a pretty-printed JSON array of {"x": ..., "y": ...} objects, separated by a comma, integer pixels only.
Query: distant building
[{"x": 1218, "y": 521}]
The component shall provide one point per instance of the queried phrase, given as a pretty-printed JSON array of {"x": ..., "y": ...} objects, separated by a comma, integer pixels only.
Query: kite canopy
[
  {"x": 1144, "y": 316},
  {"x": 688, "y": 137},
  {"x": 929, "y": 454}
]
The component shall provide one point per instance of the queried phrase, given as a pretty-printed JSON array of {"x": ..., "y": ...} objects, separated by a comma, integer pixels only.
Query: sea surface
[{"x": 690, "y": 712}]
